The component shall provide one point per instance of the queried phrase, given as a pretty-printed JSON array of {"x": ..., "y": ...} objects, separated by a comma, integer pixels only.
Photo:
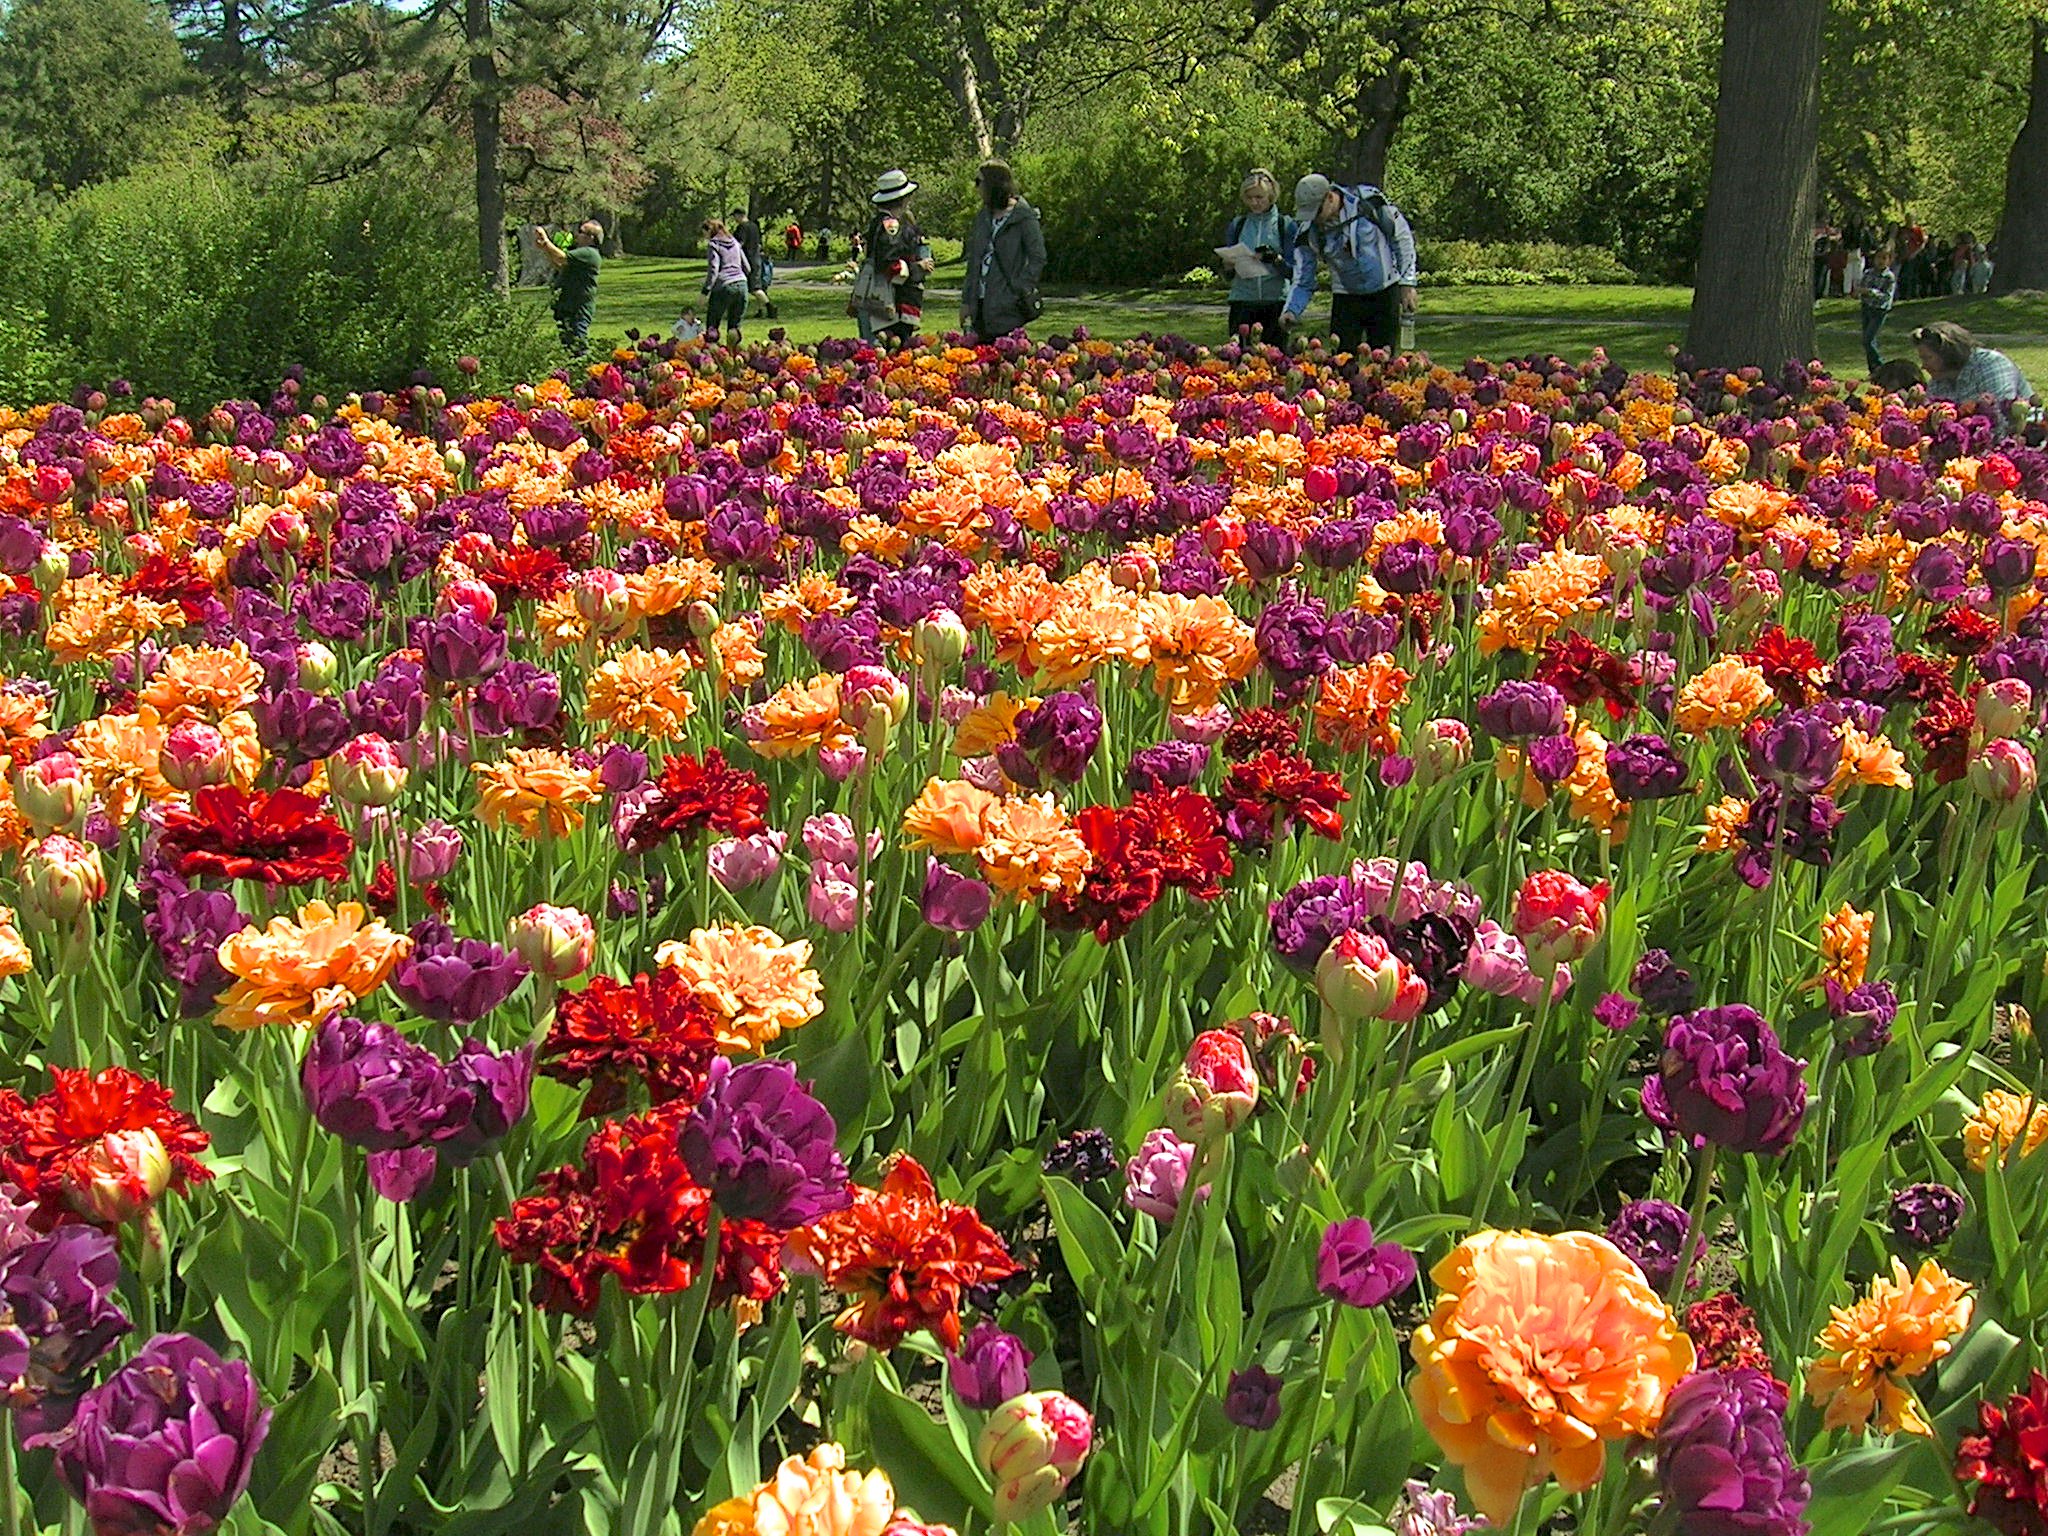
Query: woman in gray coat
[{"x": 1005, "y": 259}]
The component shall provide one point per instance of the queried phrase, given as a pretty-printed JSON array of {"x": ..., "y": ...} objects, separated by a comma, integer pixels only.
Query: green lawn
[{"x": 1635, "y": 324}]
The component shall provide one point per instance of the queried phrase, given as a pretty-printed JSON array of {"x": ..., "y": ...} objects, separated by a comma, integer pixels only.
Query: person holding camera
[{"x": 1270, "y": 234}]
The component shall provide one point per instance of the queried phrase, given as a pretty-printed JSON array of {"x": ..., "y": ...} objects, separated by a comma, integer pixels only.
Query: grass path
[{"x": 1637, "y": 325}]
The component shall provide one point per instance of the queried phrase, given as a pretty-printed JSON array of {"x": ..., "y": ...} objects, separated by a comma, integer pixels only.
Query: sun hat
[
  {"x": 1309, "y": 193},
  {"x": 890, "y": 187}
]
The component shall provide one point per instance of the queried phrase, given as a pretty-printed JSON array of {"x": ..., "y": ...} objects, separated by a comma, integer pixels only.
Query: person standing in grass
[
  {"x": 897, "y": 248},
  {"x": 759, "y": 272},
  {"x": 1005, "y": 259},
  {"x": 1371, "y": 253},
  {"x": 725, "y": 283},
  {"x": 575, "y": 282},
  {"x": 1880, "y": 291},
  {"x": 1270, "y": 234}
]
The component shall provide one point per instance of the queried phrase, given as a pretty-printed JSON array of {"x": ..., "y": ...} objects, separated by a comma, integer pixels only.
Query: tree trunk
[
  {"x": 1360, "y": 156},
  {"x": 1752, "y": 302},
  {"x": 486, "y": 109},
  {"x": 967, "y": 88},
  {"x": 2023, "y": 232}
]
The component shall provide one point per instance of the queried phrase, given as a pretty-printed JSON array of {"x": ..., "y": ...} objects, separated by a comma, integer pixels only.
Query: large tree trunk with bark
[
  {"x": 1752, "y": 302},
  {"x": 1360, "y": 155},
  {"x": 486, "y": 111},
  {"x": 2023, "y": 232}
]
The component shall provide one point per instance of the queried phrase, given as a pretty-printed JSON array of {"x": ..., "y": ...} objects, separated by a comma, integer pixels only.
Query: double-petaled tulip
[
  {"x": 165, "y": 1444},
  {"x": 2003, "y": 772},
  {"x": 366, "y": 771},
  {"x": 53, "y": 794},
  {"x": 2004, "y": 708}
]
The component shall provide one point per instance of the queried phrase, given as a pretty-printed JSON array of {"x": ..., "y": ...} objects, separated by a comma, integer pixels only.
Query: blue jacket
[{"x": 1363, "y": 260}]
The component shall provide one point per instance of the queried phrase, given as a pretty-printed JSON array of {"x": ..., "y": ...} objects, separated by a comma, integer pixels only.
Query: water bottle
[{"x": 1407, "y": 332}]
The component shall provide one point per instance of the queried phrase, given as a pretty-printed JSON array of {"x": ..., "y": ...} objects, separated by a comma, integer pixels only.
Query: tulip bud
[
  {"x": 53, "y": 794},
  {"x": 120, "y": 1177},
  {"x": 558, "y": 943},
  {"x": 431, "y": 852},
  {"x": 318, "y": 667},
  {"x": 939, "y": 640},
  {"x": 1216, "y": 1089},
  {"x": 1359, "y": 977},
  {"x": 474, "y": 598},
  {"x": 193, "y": 756},
  {"x": 285, "y": 531},
  {"x": 602, "y": 600},
  {"x": 701, "y": 619},
  {"x": 1557, "y": 918},
  {"x": 1031, "y": 1448},
  {"x": 366, "y": 771},
  {"x": 61, "y": 877},
  {"x": 1442, "y": 748},
  {"x": 51, "y": 570},
  {"x": 1135, "y": 570},
  {"x": 867, "y": 693},
  {"x": 2004, "y": 708},
  {"x": 2003, "y": 772}
]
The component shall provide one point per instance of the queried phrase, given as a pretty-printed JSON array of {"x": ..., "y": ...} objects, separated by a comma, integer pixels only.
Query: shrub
[
  {"x": 1512, "y": 262},
  {"x": 199, "y": 285}
]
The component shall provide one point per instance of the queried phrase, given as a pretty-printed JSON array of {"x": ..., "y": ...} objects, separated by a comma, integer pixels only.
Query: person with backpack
[
  {"x": 1270, "y": 235},
  {"x": 1005, "y": 259},
  {"x": 1371, "y": 254}
]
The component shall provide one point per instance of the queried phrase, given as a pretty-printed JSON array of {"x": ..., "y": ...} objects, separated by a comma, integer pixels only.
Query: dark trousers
[
  {"x": 1374, "y": 316},
  {"x": 1873, "y": 322},
  {"x": 575, "y": 333},
  {"x": 725, "y": 307},
  {"x": 1265, "y": 316}
]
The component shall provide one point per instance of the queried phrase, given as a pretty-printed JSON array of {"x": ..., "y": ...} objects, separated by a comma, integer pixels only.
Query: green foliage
[
  {"x": 198, "y": 285},
  {"x": 87, "y": 87},
  {"x": 1160, "y": 204}
]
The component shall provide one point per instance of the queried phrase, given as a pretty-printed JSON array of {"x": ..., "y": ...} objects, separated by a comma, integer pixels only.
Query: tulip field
[{"x": 1136, "y": 940}]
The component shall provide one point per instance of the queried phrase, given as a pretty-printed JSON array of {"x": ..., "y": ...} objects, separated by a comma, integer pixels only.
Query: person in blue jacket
[{"x": 1370, "y": 250}]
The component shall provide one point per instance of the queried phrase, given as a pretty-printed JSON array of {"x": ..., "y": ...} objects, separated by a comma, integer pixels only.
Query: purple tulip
[
  {"x": 952, "y": 901},
  {"x": 403, "y": 1174},
  {"x": 333, "y": 453},
  {"x": 454, "y": 981},
  {"x": 458, "y": 647},
  {"x": 1055, "y": 740},
  {"x": 187, "y": 927},
  {"x": 431, "y": 852},
  {"x": 165, "y": 1445},
  {"x": 1616, "y": 1011},
  {"x": 2008, "y": 564},
  {"x": 1938, "y": 573},
  {"x": 1268, "y": 551},
  {"x": 1800, "y": 748},
  {"x": 762, "y": 1145},
  {"x": 520, "y": 697},
  {"x": 1168, "y": 765},
  {"x": 499, "y": 1086},
  {"x": 1353, "y": 1269},
  {"x": 58, "y": 1316},
  {"x": 1645, "y": 768},
  {"x": 1665, "y": 986},
  {"x": 1251, "y": 1399},
  {"x": 1552, "y": 758},
  {"x": 1518, "y": 711},
  {"x": 1653, "y": 1233},
  {"x": 298, "y": 725},
  {"x": 1926, "y": 1215},
  {"x": 1085, "y": 1156},
  {"x": 990, "y": 1368},
  {"x": 377, "y": 1090},
  {"x": 1863, "y": 1015},
  {"x": 1408, "y": 567},
  {"x": 1725, "y": 1080},
  {"x": 1722, "y": 1457}
]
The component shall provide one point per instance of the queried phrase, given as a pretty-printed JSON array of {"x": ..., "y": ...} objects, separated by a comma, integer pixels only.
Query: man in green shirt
[{"x": 575, "y": 281}]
